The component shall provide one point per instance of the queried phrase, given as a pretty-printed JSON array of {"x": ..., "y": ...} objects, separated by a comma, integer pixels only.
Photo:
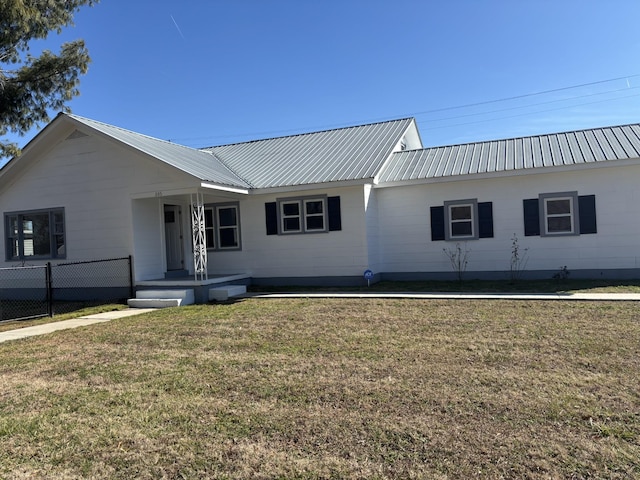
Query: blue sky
[{"x": 204, "y": 73}]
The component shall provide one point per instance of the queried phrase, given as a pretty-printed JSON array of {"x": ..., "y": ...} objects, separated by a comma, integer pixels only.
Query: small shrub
[
  {"x": 519, "y": 259},
  {"x": 458, "y": 258},
  {"x": 562, "y": 274}
]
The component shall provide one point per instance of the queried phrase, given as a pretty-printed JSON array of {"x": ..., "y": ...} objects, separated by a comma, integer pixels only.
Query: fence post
[{"x": 49, "y": 290}]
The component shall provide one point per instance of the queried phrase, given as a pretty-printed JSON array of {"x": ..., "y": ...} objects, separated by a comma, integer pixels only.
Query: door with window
[{"x": 173, "y": 237}]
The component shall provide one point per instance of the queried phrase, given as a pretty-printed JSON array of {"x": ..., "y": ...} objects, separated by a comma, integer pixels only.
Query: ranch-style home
[{"x": 324, "y": 207}]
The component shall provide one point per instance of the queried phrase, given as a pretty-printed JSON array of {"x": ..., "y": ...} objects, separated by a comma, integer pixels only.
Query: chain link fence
[
  {"x": 24, "y": 293},
  {"x": 31, "y": 292}
]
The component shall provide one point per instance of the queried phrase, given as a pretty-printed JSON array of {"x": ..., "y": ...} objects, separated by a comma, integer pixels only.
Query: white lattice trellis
[{"x": 198, "y": 237}]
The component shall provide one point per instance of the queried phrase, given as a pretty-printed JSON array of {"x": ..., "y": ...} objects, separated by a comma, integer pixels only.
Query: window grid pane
[
  {"x": 291, "y": 221},
  {"x": 209, "y": 229},
  {"x": 35, "y": 234},
  {"x": 228, "y": 227},
  {"x": 559, "y": 215},
  {"x": 314, "y": 215},
  {"x": 462, "y": 212},
  {"x": 461, "y": 221}
]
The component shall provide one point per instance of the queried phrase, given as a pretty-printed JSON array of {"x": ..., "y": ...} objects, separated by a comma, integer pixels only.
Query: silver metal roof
[
  {"x": 201, "y": 164},
  {"x": 351, "y": 153},
  {"x": 568, "y": 148}
]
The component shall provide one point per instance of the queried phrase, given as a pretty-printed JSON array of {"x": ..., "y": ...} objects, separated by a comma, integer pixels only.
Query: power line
[
  {"x": 516, "y": 97},
  {"x": 529, "y": 113},
  {"x": 443, "y": 109},
  {"x": 536, "y": 104}
]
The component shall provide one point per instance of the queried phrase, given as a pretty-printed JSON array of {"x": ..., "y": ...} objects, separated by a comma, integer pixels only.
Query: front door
[{"x": 173, "y": 237}]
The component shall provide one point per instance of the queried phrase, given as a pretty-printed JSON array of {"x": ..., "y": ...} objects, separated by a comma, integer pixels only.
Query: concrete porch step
[
  {"x": 222, "y": 294},
  {"x": 162, "y": 298},
  {"x": 153, "y": 302}
]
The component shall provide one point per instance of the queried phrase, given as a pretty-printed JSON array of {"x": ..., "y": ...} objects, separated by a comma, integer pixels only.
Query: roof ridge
[{"x": 402, "y": 119}]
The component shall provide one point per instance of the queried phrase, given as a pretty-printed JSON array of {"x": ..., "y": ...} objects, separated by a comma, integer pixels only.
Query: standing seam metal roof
[
  {"x": 351, "y": 153},
  {"x": 540, "y": 151},
  {"x": 202, "y": 165}
]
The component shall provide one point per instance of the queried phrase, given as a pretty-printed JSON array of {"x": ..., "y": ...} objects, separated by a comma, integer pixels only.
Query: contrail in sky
[{"x": 176, "y": 24}]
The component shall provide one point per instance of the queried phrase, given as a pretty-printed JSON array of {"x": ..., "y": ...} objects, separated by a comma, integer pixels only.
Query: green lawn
[{"x": 330, "y": 388}]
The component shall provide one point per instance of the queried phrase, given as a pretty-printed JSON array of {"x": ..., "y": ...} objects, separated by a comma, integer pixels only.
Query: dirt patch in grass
[{"x": 330, "y": 388}]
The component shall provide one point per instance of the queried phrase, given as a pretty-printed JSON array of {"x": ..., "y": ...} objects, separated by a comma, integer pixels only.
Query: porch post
[{"x": 198, "y": 237}]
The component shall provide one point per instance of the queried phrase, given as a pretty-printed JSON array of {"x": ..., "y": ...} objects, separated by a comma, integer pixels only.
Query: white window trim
[
  {"x": 322, "y": 214},
  {"x": 282, "y": 216},
  {"x": 302, "y": 204},
  {"x": 544, "y": 198},
  {"x": 219, "y": 227},
  {"x": 214, "y": 208},
  {"x": 448, "y": 234}
]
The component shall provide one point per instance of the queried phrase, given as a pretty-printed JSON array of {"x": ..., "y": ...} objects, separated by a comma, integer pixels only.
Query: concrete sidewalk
[
  {"x": 66, "y": 324},
  {"x": 627, "y": 297},
  {"x": 108, "y": 316}
]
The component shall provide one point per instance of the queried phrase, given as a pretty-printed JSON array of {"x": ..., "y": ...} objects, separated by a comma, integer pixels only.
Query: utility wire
[
  {"x": 535, "y": 104},
  {"x": 443, "y": 109},
  {"x": 528, "y": 113}
]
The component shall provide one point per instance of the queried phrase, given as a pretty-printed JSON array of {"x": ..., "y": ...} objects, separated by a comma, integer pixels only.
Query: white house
[{"x": 321, "y": 208}]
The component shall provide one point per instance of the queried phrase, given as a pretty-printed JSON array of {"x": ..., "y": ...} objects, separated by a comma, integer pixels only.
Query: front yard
[{"x": 330, "y": 388}]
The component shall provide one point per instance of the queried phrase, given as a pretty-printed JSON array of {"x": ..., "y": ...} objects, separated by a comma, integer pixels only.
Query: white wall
[
  {"x": 371, "y": 206},
  {"x": 405, "y": 232},
  {"x": 94, "y": 180},
  {"x": 336, "y": 253},
  {"x": 148, "y": 251}
]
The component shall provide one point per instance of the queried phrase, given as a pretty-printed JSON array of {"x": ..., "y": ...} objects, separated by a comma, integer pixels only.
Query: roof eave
[
  {"x": 224, "y": 188},
  {"x": 311, "y": 186},
  {"x": 512, "y": 173}
]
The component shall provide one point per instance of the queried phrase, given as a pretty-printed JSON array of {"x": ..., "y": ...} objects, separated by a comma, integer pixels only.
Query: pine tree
[{"x": 32, "y": 86}]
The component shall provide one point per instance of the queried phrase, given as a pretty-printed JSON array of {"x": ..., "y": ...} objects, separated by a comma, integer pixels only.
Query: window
[
  {"x": 222, "y": 226},
  {"x": 290, "y": 215},
  {"x": 227, "y": 217},
  {"x": 560, "y": 214},
  {"x": 35, "y": 234},
  {"x": 304, "y": 215},
  {"x": 314, "y": 215},
  {"x": 462, "y": 220}
]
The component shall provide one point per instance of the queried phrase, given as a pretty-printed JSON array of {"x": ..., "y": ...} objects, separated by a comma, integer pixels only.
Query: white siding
[
  {"x": 336, "y": 253},
  {"x": 405, "y": 231},
  {"x": 94, "y": 180},
  {"x": 373, "y": 236},
  {"x": 148, "y": 253}
]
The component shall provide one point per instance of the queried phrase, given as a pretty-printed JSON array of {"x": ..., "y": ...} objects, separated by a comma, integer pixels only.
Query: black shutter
[
  {"x": 531, "y": 217},
  {"x": 587, "y": 213},
  {"x": 271, "y": 217},
  {"x": 437, "y": 223},
  {"x": 333, "y": 210},
  {"x": 485, "y": 220}
]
